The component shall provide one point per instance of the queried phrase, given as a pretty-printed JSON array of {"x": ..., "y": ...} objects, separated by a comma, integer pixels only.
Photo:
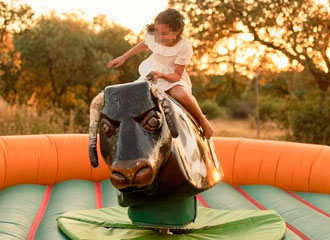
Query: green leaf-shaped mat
[{"x": 113, "y": 223}]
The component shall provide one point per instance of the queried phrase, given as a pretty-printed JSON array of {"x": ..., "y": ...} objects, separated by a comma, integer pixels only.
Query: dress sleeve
[
  {"x": 185, "y": 54},
  {"x": 148, "y": 39}
]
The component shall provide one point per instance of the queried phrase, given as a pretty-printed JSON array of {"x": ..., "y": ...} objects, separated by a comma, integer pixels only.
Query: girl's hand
[
  {"x": 156, "y": 75},
  {"x": 117, "y": 62}
]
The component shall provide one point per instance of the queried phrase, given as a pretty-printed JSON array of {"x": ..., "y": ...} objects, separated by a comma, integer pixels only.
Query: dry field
[
  {"x": 246, "y": 129},
  {"x": 26, "y": 121}
]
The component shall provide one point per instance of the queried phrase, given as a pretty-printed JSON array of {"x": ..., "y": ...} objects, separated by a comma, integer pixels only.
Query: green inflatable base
[
  {"x": 113, "y": 223},
  {"x": 164, "y": 214}
]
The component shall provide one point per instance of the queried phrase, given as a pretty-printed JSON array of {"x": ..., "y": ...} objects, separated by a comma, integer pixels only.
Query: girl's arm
[
  {"x": 140, "y": 47},
  {"x": 171, "y": 77},
  {"x": 134, "y": 50}
]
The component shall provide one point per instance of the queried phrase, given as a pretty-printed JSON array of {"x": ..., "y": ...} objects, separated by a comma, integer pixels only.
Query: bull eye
[
  {"x": 107, "y": 127},
  {"x": 152, "y": 121}
]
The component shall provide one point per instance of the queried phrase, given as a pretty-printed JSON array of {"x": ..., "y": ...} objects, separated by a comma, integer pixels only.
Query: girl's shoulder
[{"x": 181, "y": 45}]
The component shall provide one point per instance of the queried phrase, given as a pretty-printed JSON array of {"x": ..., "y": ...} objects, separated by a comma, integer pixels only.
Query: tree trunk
[{"x": 322, "y": 78}]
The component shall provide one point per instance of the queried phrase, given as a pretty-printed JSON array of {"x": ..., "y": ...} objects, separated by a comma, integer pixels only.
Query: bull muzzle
[{"x": 131, "y": 173}]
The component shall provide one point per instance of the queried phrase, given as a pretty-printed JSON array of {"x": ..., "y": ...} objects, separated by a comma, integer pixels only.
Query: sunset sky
[{"x": 134, "y": 14}]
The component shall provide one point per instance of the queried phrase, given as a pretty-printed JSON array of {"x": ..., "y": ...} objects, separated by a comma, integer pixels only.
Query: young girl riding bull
[{"x": 170, "y": 54}]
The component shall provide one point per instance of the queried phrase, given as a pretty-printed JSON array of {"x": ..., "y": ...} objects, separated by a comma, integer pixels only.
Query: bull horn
[
  {"x": 168, "y": 109},
  {"x": 95, "y": 108}
]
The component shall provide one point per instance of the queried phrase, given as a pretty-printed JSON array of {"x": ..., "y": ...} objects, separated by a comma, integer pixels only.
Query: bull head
[{"x": 136, "y": 124}]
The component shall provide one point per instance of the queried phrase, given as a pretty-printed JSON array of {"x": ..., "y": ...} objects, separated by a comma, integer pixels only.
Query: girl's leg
[{"x": 189, "y": 102}]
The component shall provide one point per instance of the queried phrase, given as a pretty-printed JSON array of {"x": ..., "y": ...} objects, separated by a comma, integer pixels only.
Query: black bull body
[{"x": 154, "y": 148}]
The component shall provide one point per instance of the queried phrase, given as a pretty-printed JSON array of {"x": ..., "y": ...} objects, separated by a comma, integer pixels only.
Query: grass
[
  {"x": 25, "y": 119},
  {"x": 247, "y": 129}
]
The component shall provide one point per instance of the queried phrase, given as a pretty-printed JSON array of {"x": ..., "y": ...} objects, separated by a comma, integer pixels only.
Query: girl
[{"x": 170, "y": 54}]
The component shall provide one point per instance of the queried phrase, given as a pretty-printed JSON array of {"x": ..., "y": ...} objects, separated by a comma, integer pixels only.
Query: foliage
[
  {"x": 284, "y": 83},
  {"x": 240, "y": 109},
  {"x": 12, "y": 18},
  {"x": 218, "y": 88},
  {"x": 224, "y": 98},
  {"x": 299, "y": 29},
  {"x": 211, "y": 109},
  {"x": 59, "y": 62},
  {"x": 64, "y": 61},
  {"x": 206, "y": 86},
  {"x": 270, "y": 108},
  {"x": 309, "y": 122}
]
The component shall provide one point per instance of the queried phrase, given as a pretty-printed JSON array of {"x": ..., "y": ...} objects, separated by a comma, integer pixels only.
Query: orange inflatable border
[
  {"x": 49, "y": 159},
  {"x": 287, "y": 165},
  {"x": 46, "y": 160}
]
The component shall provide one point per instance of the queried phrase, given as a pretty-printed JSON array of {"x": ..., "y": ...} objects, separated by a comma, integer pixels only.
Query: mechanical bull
[{"x": 157, "y": 154}]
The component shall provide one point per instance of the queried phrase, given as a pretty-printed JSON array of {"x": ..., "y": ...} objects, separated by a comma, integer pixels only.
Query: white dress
[{"x": 163, "y": 59}]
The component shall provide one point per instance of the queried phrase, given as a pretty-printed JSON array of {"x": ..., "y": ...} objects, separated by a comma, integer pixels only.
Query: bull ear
[{"x": 170, "y": 114}]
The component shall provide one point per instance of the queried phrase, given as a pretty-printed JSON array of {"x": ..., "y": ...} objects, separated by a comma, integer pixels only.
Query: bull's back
[{"x": 195, "y": 154}]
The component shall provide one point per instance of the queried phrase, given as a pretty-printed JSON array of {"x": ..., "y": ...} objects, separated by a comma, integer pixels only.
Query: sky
[{"x": 134, "y": 14}]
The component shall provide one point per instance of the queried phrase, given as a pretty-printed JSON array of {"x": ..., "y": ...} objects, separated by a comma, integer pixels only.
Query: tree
[
  {"x": 58, "y": 56},
  {"x": 64, "y": 60},
  {"x": 12, "y": 19},
  {"x": 300, "y": 29}
]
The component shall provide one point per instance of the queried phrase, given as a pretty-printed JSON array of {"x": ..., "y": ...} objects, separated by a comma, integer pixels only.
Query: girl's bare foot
[{"x": 207, "y": 127}]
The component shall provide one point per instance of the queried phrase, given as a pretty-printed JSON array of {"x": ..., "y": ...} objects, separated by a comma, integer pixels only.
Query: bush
[
  {"x": 81, "y": 117},
  {"x": 270, "y": 108},
  {"x": 211, "y": 109},
  {"x": 224, "y": 98},
  {"x": 240, "y": 109},
  {"x": 309, "y": 122}
]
